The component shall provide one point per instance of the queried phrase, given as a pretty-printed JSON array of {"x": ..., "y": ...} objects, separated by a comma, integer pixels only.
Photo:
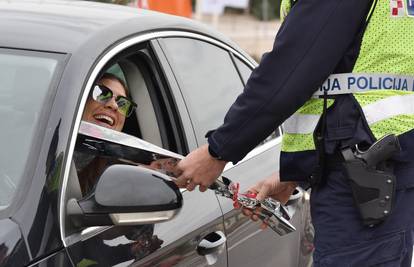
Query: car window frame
[
  {"x": 104, "y": 61},
  {"x": 236, "y": 66}
]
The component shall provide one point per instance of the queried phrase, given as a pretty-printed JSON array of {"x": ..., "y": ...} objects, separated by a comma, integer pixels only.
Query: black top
[{"x": 310, "y": 45}]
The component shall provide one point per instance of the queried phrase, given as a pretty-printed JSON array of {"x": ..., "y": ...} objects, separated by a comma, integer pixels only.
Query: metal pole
[
  {"x": 198, "y": 14},
  {"x": 265, "y": 7}
]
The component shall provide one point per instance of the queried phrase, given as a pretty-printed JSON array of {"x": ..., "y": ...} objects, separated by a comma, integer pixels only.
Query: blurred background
[{"x": 252, "y": 24}]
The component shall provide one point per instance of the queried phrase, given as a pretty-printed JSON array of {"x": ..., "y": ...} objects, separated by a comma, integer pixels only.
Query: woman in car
[{"x": 108, "y": 105}]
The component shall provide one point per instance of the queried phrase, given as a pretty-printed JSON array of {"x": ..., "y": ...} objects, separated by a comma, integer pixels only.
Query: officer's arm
[{"x": 308, "y": 47}]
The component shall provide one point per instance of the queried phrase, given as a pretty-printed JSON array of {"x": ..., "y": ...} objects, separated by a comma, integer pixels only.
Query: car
[{"x": 183, "y": 77}]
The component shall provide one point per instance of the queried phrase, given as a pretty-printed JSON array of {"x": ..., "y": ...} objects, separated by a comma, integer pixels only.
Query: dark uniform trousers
[
  {"x": 340, "y": 237},
  {"x": 345, "y": 241}
]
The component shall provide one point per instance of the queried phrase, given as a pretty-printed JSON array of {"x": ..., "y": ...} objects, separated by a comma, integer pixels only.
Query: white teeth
[{"x": 108, "y": 119}]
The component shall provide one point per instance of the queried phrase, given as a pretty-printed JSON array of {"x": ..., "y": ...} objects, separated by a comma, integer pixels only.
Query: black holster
[{"x": 372, "y": 179}]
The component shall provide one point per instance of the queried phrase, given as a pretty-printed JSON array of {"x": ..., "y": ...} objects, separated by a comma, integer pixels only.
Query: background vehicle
[{"x": 183, "y": 77}]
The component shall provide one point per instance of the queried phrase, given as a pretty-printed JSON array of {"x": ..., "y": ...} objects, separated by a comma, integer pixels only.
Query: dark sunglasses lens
[
  {"x": 125, "y": 106},
  {"x": 101, "y": 94}
]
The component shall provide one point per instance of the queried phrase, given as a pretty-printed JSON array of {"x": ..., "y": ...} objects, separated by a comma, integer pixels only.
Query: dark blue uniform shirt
[{"x": 317, "y": 38}]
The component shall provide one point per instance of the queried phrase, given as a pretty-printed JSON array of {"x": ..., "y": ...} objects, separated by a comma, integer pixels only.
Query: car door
[
  {"x": 30, "y": 158},
  {"x": 210, "y": 82},
  {"x": 179, "y": 242}
]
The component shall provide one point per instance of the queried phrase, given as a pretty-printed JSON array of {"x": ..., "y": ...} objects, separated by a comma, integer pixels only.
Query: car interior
[{"x": 144, "y": 114}]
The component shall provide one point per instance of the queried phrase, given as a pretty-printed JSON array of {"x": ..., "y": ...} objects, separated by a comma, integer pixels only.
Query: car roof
[{"x": 67, "y": 26}]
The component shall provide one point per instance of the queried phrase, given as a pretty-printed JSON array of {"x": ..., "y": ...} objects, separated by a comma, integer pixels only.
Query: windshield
[{"x": 25, "y": 79}]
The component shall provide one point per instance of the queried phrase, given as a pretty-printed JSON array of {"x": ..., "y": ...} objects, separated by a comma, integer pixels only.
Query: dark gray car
[{"x": 184, "y": 77}]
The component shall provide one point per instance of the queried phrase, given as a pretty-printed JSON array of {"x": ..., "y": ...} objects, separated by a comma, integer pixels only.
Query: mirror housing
[{"x": 127, "y": 195}]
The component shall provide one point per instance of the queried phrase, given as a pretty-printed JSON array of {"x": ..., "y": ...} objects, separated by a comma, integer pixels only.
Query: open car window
[{"x": 149, "y": 126}]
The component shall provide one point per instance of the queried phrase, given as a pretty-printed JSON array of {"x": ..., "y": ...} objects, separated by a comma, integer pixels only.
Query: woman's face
[{"x": 106, "y": 114}]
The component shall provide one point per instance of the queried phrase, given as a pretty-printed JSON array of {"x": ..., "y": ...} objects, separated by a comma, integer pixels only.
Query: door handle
[{"x": 211, "y": 243}]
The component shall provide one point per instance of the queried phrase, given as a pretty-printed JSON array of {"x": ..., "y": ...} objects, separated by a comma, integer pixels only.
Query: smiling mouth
[{"x": 104, "y": 119}]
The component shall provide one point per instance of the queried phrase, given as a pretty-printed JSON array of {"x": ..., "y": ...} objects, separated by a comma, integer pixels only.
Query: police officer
[{"x": 341, "y": 75}]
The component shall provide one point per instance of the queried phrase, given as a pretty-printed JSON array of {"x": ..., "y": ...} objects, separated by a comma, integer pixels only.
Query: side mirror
[{"x": 127, "y": 195}]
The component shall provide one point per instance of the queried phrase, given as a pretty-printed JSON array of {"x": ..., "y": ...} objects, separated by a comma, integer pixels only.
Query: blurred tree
[{"x": 265, "y": 9}]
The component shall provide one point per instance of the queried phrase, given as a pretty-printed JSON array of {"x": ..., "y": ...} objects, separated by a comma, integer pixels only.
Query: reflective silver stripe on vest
[
  {"x": 301, "y": 123},
  {"x": 389, "y": 107},
  {"x": 347, "y": 83},
  {"x": 381, "y": 110}
]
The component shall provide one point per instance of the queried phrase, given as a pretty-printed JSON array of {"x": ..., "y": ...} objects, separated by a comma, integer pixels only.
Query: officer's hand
[
  {"x": 270, "y": 187},
  {"x": 274, "y": 188},
  {"x": 199, "y": 168}
]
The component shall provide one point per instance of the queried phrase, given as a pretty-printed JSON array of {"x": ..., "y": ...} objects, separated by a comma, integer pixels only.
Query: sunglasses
[{"x": 103, "y": 94}]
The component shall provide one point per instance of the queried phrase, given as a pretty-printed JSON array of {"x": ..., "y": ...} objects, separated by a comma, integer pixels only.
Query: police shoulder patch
[{"x": 397, "y": 8}]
